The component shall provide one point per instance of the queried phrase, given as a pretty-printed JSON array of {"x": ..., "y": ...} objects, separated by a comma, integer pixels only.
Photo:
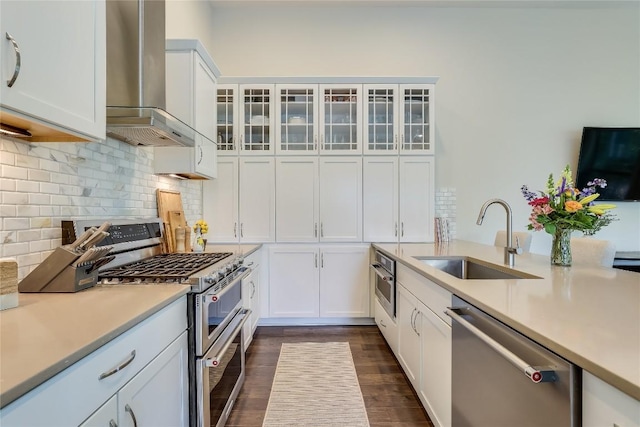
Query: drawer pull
[
  {"x": 112, "y": 423},
  {"x": 16, "y": 70},
  {"x": 128, "y": 409},
  {"x": 118, "y": 368}
]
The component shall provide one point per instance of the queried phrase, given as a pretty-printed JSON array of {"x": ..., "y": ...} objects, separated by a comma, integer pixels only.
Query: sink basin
[{"x": 473, "y": 269}]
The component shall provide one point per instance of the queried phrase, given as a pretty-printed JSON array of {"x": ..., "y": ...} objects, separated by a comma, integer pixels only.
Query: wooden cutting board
[{"x": 169, "y": 201}]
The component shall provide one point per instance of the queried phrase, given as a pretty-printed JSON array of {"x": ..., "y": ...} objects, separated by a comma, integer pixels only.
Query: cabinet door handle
[
  {"x": 253, "y": 289},
  {"x": 322, "y": 260},
  {"x": 321, "y": 230},
  {"x": 118, "y": 368},
  {"x": 382, "y": 323},
  {"x": 128, "y": 409},
  {"x": 112, "y": 423},
  {"x": 235, "y": 229},
  {"x": 316, "y": 258},
  {"x": 395, "y": 234},
  {"x": 201, "y": 154},
  {"x": 395, "y": 144},
  {"x": 241, "y": 229},
  {"x": 16, "y": 70},
  {"x": 402, "y": 229},
  {"x": 315, "y": 142}
]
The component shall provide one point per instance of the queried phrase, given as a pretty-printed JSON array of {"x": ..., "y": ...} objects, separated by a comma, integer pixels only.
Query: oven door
[
  {"x": 216, "y": 307},
  {"x": 385, "y": 289},
  {"x": 220, "y": 374}
]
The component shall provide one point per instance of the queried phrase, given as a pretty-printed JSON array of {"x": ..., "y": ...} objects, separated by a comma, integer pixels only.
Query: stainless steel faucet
[{"x": 509, "y": 251}]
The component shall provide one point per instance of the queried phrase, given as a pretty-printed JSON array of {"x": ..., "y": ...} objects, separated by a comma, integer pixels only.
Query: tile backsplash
[{"x": 44, "y": 183}]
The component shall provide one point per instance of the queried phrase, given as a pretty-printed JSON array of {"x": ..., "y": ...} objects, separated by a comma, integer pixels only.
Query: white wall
[{"x": 517, "y": 83}]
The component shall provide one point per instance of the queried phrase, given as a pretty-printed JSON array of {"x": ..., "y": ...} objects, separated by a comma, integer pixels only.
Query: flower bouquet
[
  {"x": 199, "y": 228},
  {"x": 562, "y": 208}
]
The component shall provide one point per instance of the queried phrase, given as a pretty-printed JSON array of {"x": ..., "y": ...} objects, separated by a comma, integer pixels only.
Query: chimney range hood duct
[{"x": 136, "y": 104}]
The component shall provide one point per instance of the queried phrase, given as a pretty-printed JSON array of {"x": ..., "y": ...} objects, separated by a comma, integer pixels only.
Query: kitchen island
[{"x": 587, "y": 314}]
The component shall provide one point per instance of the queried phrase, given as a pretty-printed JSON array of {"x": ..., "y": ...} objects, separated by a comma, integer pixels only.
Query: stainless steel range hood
[{"x": 136, "y": 103}]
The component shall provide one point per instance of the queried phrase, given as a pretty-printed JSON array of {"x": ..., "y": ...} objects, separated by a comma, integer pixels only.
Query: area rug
[{"x": 315, "y": 385}]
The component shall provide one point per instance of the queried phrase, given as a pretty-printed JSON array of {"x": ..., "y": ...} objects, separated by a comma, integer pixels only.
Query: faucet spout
[{"x": 509, "y": 251}]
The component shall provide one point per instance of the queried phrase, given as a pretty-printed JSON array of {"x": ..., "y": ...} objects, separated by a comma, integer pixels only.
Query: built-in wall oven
[
  {"x": 385, "y": 270},
  {"x": 215, "y": 314}
]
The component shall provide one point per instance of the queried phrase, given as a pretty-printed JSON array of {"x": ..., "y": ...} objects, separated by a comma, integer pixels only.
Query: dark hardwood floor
[{"x": 388, "y": 397}]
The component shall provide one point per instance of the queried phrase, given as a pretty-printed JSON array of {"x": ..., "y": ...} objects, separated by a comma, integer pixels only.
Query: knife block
[{"x": 57, "y": 274}]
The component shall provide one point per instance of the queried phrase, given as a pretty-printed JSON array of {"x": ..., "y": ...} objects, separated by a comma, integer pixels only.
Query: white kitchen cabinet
[
  {"x": 297, "y": 199},
  {"x": 152, "y": 352},
  {"x": 220, "y": 202},
  {"x": 344, "y": 281},
  {"x": 239, "y": 205},
  {"x": 251, "y": 295},
  {"x": 60, "y": 83},
  {"x": 159, "y": 394},
  {"x": 257, "y": 200},
  {"x": 416, "y": 210},
  {"x": 398, "y": 118},
  {"x": 435, "y": 376},
  {"x": 380, "y": 198},
  {"x": 398, "y": 198},
  {"x": 191, "y": 97},
  {"x": 297, "y": 117},
  {"x": 228, "y": 122},
  {"x": 340, "y": 199},
  {"x": 340, "y": 119},
  {"x": 245, "y": 117},
  {"x": 156, "y": 396},
  {"x": 105, "y": 416},
  {"x": 318, "y": 281},
  {"x": 387, "y": 326},
  {"x": 605, "y": 406},
  {"x": 294, "y": 281},
  {"x": 409, "y": 342}
]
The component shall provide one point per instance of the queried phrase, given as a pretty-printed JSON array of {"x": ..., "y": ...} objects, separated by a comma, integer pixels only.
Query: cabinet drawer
[
  {"x": 430, "y": 294},
  {"x": 71, "y": 396},
  {"x": 387, "y": 326},
  {"x": 254, "y": 258}
]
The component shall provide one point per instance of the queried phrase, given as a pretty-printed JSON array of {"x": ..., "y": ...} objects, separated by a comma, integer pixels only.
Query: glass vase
[{"x": 561, "y": 247}]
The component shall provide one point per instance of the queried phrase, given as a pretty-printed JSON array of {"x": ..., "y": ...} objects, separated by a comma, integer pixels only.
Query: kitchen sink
[{"x": 473, "y": 269}]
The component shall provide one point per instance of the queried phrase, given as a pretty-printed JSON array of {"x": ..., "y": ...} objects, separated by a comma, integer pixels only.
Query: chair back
[{"x": 586, "y": 250}]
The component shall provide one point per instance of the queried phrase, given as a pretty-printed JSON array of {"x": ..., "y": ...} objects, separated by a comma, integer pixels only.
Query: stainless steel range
[{"x": 215, "y": 312}]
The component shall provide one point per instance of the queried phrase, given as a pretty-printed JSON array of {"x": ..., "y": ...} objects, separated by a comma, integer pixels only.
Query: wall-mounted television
[{"x": 612, "y": 154}]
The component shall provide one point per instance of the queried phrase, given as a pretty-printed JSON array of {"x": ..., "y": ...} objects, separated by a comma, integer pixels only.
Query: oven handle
[
  {"x": 209, "y": 298},
  {"x": 384, "y": 274},
  {"x": 215, "y": 361}
]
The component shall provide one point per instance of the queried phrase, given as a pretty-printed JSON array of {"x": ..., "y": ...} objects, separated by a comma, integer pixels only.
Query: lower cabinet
[
  {"x": 144, "y": 369},
  {"x": 605, "y": 406},
  {"x": 251, "y": 299},
  {"x": 319, "y": 281},
  {"x": 157, "y": 396},
  {"x": 387, "y": 326},
  {"x": 424, "y": 347}
]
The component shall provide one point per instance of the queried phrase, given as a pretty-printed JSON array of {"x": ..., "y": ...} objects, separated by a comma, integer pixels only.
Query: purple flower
[
  {"x": 597, "y": 182},
  {"x": 587, "y": 191},
  {"x": 562, "y": 186},
  {"x": 528, "y": 195}
]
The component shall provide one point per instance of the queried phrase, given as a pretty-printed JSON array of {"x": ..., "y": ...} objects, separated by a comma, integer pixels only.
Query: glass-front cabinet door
[
  {"x": 256, "y": 114},
  {"x": 416, "y": 127},
  {"x": 381, "y": 127},
  {"x": 340, "y": 116},
  {"x": 227, "y": 117},
  {"x": 297, "y": 119}
]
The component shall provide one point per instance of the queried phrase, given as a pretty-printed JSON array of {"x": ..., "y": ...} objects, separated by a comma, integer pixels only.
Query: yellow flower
[
  {"x": 572, "y": 206},
  {"x": 600, "y": 209},
  {"x": 589, "y": 199},
  {"x": 202, "y": 225}
]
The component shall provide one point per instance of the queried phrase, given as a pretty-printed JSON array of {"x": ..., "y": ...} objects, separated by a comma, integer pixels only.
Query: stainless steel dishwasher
[{"x": 500, "y": 378}]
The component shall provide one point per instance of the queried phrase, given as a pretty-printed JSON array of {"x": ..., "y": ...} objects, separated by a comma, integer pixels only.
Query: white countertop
[
  {"x": 588, "y": 315},
  {"x": 48, "y": 332}
]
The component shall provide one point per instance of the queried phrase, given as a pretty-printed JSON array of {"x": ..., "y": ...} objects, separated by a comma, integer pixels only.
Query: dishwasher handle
[{"x": 537, "y": 374}]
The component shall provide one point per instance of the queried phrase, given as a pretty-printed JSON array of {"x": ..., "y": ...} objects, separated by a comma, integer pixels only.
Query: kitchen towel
[{"x": 315, "y": 385}]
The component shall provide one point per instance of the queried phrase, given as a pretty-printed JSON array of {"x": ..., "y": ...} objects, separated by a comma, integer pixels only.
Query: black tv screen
[{"x": 612, "y": 154}]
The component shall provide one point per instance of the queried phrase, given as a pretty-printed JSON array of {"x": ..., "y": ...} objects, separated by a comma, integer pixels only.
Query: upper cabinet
[
  {"x": 191, "y": 96},
  {"x": 52, "y": 66},
  {"x": 257, "y": 106},
  {"x": 398, "y": 118},
  {"x": 340, "y": 119}
]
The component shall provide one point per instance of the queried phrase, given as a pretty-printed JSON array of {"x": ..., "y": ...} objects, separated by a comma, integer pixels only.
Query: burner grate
[{"x": 169, "y": 267}]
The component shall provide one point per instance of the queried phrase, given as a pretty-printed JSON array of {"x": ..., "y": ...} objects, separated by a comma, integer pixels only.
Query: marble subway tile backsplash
[
  {"x": 44, "y": 183},
  {"x": 445, "y": 207}
]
